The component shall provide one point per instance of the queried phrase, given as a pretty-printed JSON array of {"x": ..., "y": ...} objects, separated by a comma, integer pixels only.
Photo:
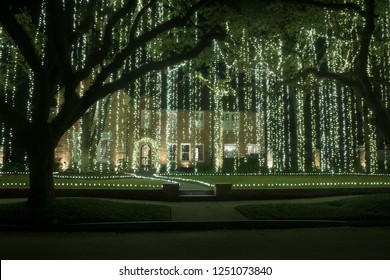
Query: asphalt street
[{"x": 322, "y": 243}]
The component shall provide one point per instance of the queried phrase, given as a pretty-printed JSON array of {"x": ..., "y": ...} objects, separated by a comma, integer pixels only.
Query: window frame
[
  {"x": 146, "y": 119},
  {"x": 169, "y": 152},
  {"x": 231, "y": 120},
  {"x": 182, "y": 153},
  {"x": 197, "y": 153},
  {"x": 228, "y": 153},
  {"x": 105, "y": 136},
  {"x": 1, "y": 155},
  {"x": 257, "y": 148},
  {"x": 172, "y": 119},
  {"x": 199, "y": 120}
]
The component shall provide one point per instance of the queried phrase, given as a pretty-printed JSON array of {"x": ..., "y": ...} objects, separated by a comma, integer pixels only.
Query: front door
[{"x": 146, "y": 154}]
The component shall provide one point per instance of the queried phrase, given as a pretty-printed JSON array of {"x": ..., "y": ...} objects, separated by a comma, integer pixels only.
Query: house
[{"x": 141, "y": 138}]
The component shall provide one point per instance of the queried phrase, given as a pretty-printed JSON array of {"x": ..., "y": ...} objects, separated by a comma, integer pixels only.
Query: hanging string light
[{"x": 271, "y": 116}]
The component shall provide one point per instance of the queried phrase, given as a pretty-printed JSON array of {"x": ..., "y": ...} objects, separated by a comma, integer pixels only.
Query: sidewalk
[{"x": 205, "y": 211}]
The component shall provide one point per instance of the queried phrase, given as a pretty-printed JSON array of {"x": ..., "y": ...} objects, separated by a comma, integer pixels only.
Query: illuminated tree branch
[
  {"x": 138, "y": 18},
  {"x": 20, "y": 37},
  {"x": 143, "y": 39},
  {"x": 85, "y": 24},
  {"x": 330, "y": 6},
  {"x": 344, "y": 78},
  {"x": 97, "y": 92},
  {"x": 97, "y": 58}
]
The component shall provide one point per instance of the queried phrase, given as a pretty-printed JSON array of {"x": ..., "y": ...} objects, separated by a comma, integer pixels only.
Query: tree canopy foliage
[
  {"x": 113, "y": 34},
  {"x": 304, "y": 42}
]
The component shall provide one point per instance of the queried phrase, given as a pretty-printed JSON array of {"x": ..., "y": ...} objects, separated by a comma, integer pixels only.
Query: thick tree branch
[
  {"x": 138, "y": 18},
  {"x": 366, "y": 36},
  {"x": 353, "y": 7},
  {"x": 72, "y": 111},
  {"x": 174, "y": 58},
  {"x": 98, "y": 57},
  {"x": 57, "y": 37},
  {"x": 380, "y": 81},
  {"x": 343, "y": 78},
  {"x": 20, "y": 37},
  {"x": 96, "y": 92},
  {"x": 70, "y": 93},
  {"x": 85, "y": 24},
  {"x": 142, "y": 40}
]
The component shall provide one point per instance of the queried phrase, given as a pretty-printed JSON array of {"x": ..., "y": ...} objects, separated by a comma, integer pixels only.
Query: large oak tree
[
  {"x": 54, "y": 68},
  {"x": 357, "y": 23},
  {"x": 319, "y": 48}
]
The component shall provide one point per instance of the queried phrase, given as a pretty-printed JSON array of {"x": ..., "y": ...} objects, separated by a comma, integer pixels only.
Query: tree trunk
[
  {"x": 40, "y": 153},
  {"x": 381, "y": 115}
]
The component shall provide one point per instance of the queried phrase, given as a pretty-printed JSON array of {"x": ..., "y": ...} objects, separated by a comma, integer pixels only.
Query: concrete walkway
[{"x": 204, "y": 211}]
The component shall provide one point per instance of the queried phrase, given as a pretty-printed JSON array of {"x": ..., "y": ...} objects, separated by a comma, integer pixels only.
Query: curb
[{"x": 192, "y": 226}]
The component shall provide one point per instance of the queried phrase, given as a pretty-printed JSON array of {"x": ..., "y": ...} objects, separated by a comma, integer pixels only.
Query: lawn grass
[
  {"x": 238, "y": 181},
  {"x": 21, "y": 180},
  {"x": 296, "y": 181},
  {"x": 369, "y": 207},
  {"x": 84, "y": 210}
]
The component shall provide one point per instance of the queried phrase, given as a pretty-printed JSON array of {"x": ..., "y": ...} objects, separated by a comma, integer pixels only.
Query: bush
[
  {"x": 250, "y": 165},
  {"x": 123, "y": 165},
  {"x": 189, "y": 169},
  {"x": 14, "y": 167},
  {"x": 163, "y": 169},
  {"x": 171, "y": 167},
  {"x": 205, "y": 169},
  {"x": 228, "y": 165}
]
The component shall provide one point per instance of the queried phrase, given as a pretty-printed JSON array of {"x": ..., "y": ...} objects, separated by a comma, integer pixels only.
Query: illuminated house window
[
  {"x": 145, "y": 156},
  {"x": 185, "y": 152},
  {"x": 362, "y": 156},
  {"x": 199, "y": 152},
  {"x": 317, "y": 158},
  {"x": 231, "y": 120},
  {"x": 172, "y": 152},
  {"x": 146, "y": 119},
  {"x": 199, "y": 120},
  {"x": 270, "y": 159},
  {"x": 172, "y": 119},
  {"x": 230, "y": 150},
  {"x": 253, "y": 149},
  {"x": 76, "y": 139},
  {"x": 104, "y": 147},
  {"x": 1, "y": 155}
]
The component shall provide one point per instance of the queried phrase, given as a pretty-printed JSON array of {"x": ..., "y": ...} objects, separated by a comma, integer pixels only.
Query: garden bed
[{"x": 294, "y": 181}]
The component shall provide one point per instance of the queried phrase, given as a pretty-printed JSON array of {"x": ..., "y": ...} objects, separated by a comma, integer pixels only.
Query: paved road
[{"x": 325, "y": 243}]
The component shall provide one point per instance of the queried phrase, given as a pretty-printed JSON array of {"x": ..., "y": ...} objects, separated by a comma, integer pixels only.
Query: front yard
[
  {"x": 238, "y": 181},
  {"x": 83, "y": 210},
  {"x": 294, "y": 181},
  {"x": 84, "y": 181}
]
